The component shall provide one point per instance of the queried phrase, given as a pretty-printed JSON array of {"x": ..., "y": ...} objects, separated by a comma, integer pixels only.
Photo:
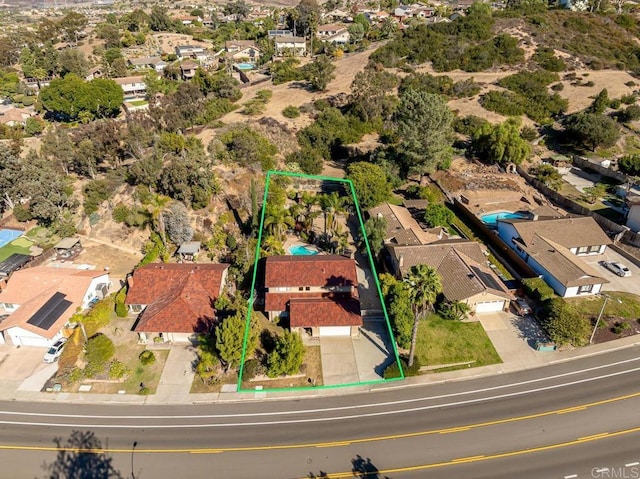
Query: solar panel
[
  {"x": 488, "y": 279},
  {"x": 50, "y": 311}
]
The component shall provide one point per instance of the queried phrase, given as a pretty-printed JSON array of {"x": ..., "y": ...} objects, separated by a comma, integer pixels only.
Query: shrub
[
  {"x": 75, "y": 375},
  {"x": 557, "y": 87},
  {"x": 252, "y": 368},
  {"x": 503, "y": 102},
  {"x": 291, "y": 112},
  {"x": 529, "y": 133},
  {"x": 71, "y": 351},
  {"x": 468, "y": 125},
  {"x": 628, "y": 99},
  {"x": 630, "y": 113},
  {"x": 21, "y": 213},
  {"x": 117, "y": 370},
  {"x": 99, "y": 350},
  {"x": 537, "y": 289},
  {"x": 121, "y": 310},
  {"x": 564, "y": 325},
  {"x": 147, "y": 357},
  {"x": 437, "y": 215}
]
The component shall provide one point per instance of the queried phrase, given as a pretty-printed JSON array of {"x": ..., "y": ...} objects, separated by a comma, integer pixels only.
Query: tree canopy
[
  {"x": 501, "y": 143},
  {"x": 370, "y": 183}
]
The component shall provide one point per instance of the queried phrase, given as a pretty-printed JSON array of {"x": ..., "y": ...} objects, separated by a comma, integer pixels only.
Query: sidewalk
[{"x": 177, "y": 376}]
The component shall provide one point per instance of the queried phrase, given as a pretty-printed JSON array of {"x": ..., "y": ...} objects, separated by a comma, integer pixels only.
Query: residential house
[
  {"x": 317, "y": 293},
  {"x": 133, "y": 87},
  {"x": 553, "y": 247},
  {"x": 15, "y": 116},
  {"x": 195, "y": 52},
  {"x": 188, "y": 69},
  {"x": 189, "y": 250},
  {"x": 148, "y": 63},
  {"x": 188, "y": 19},
  {"x": 242, "y": 50},
  {"x": 633, "y": 215},
  {"x": 95, "y": 72},
  {"x": 402, "y": 228},
  {"x": 333, "y": 33},
  {"x": 290, "y": 45},
  {"x": 271, "y": 34},
  {"x": 41, "y": 300},
  {"x": 175, "y": 301},
  {"x": 336, "y": 15},
  {"x": 463, "y": 268}
]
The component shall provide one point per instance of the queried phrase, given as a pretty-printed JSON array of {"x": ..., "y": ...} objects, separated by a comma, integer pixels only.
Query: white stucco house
[
  {"x": 554, "y": 247},
  {"x": 41, "y": 300}
]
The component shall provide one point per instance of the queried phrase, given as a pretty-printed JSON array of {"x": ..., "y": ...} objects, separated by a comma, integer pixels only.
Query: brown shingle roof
[
  {"x": 314, "y": 271},
  {"x": 433, "y": 254},
  {"x": 312, "y": 312},
  {"x": 401, "y": 226},
  {"x": 568, "y": 232},
  {"x": 179, "y": 297}
]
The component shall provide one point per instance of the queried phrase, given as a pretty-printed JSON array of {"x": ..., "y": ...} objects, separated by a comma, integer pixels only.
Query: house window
[
  {"x": 583, "y": 249},
  {"x": 135, "y": 308},
  {"x": 300, "y": 288},
  {"x": 587, "y": 288},
  {"x": 307, "y": 288},
  {"x": 594, "y": 249}
]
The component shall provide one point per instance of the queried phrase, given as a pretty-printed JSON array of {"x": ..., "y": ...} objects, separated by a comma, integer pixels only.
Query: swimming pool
[
  {"x": 300, "y": 250},
  {"x": 8, "y": 235},
  {"x": 491, "y": 219},
  {"x": 244, "y": 66}
]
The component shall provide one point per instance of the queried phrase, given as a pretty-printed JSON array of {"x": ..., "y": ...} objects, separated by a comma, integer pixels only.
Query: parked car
[
  {"x": 55, "y": 351},
  {"x": 617, "y": 268},
  {"x": 521, "y": 307}
]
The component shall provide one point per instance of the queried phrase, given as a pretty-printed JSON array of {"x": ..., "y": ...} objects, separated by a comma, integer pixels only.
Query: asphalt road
[{"x": 568, "y": 420}]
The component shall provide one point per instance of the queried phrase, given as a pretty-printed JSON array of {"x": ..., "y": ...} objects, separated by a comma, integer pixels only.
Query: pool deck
[{"x": 289, "y": 242}]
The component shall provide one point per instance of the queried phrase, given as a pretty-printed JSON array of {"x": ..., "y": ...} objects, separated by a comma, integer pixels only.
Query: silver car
[
  {"x": 55, "y": 351},
  {"x": 617, "y": 268}
]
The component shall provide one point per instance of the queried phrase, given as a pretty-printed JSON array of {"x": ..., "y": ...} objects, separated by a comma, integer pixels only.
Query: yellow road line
[
  {"x": 449, "y": 430},
  {"x": 472, "y": 459}
]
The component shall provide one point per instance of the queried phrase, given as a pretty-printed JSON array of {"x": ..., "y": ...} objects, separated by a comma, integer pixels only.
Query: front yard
[
  {"x": 620, "y": 318},
  {"x": 442, "y": 342}
]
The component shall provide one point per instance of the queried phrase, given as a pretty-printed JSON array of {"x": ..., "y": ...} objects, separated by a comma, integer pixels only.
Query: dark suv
[{"x": 521, "y": 307}]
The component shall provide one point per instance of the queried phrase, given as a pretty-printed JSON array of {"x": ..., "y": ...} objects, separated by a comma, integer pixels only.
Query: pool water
[
  {"x": 244, "y": 66},
  {"x": 491, "y": 219},
  {"x": 300, "y": 250},
  {"x": 8, "y": 235}
]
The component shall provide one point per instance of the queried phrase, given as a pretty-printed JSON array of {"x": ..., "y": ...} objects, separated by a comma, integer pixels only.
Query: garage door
[
  {"x": 335, "y": 331},
  {"x": 30, "y": 341},
  {"x": 489, "y": 306}
]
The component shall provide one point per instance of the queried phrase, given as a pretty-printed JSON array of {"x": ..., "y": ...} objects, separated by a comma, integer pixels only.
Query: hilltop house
[
  {"x": 188, "y": 69},
  {"x": 175, "y": 301},
  {"x": 151, "y": 63},
  {"x": 40, "y": 301},
  {"x": 332, "y": 33},
  {"x": 318, "y": 294},
  {"x": 242, "y": 50},
  {"x": 195, "y": 52},
  {"x": 290, "y": 45},
  {"x": 462, "y": 265},
  {"x": 15, "y": 116},
  {"x": 552, "y": 247}
]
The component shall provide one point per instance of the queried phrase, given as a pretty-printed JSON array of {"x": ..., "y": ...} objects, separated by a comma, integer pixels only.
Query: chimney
[
  {"x": 130, "y": 281},
  {"x": 379, "y": 215},
  {"x": 401, "y": 260}
]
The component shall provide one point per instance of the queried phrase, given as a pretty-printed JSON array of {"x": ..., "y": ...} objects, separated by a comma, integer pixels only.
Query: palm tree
[
  {"x": 331, "y": 204},
  {"x": 276, "y": 221},
  {"x": 424, "y": 285}
]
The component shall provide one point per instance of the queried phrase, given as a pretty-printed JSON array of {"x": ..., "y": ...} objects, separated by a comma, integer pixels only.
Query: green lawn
[
  {"x": 628, "y": 308},
  {"x": 20, "y": 245},
  {"x": 444, "y": 342}
]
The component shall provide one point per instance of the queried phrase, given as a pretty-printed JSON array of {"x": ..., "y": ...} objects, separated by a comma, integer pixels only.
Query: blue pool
[
  {"x": 245, "y": 66},
  {"x": 491, "y": 219},
  {"x": 7, "y": 236},
  {"x": 299, "y": 250}
]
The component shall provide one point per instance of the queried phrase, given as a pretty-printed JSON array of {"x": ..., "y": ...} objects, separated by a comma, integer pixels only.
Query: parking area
[
  {"x": 630, "y": 284},
  {"x": 17, "y": 365},
  {"x": 348, "y": 360}
]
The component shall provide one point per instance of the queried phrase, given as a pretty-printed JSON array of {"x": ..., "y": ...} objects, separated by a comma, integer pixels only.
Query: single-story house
[
  {"x": 41, "y": 300},
  {"x": 462, "y": 266},
  {"x": 333, "y": 33},
  {"x": 402, "y": 228},
  {"x": 95, "y": 72},
  {"x": 633, "y": 215},
  {"x": 271, "y": 34},
  {"x": 552, "y": 247},
  {"x": 175, "y": 301},
  {"x": 317, "y": 293},
  {"x": 15, "y": 116},
  {"x": 290, "y": 45},
  {"x": 246, "y": 50},
  {"x": 142, "y": 63},
  {"x": 190, "y": 51}
]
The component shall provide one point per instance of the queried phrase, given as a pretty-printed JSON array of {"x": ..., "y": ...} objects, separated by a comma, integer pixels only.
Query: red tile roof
[
  {"x": 312, "y": 270},
  {"x": 278, "y": 301},
  {"x": 179, "y": 297},
  {"x": 313, "y": 312}
]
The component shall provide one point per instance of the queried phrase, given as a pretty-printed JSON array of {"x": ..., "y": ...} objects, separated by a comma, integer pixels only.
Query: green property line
[{"x": 255, "y": 276}]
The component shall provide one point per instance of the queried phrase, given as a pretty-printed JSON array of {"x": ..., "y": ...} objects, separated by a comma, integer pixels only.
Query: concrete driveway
[
  {"x": 581, "y": 179},
  {"x": 630, "y": 284},
  {"x": 17, "y": 365},
  {"x": 338, "y": 361}
]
